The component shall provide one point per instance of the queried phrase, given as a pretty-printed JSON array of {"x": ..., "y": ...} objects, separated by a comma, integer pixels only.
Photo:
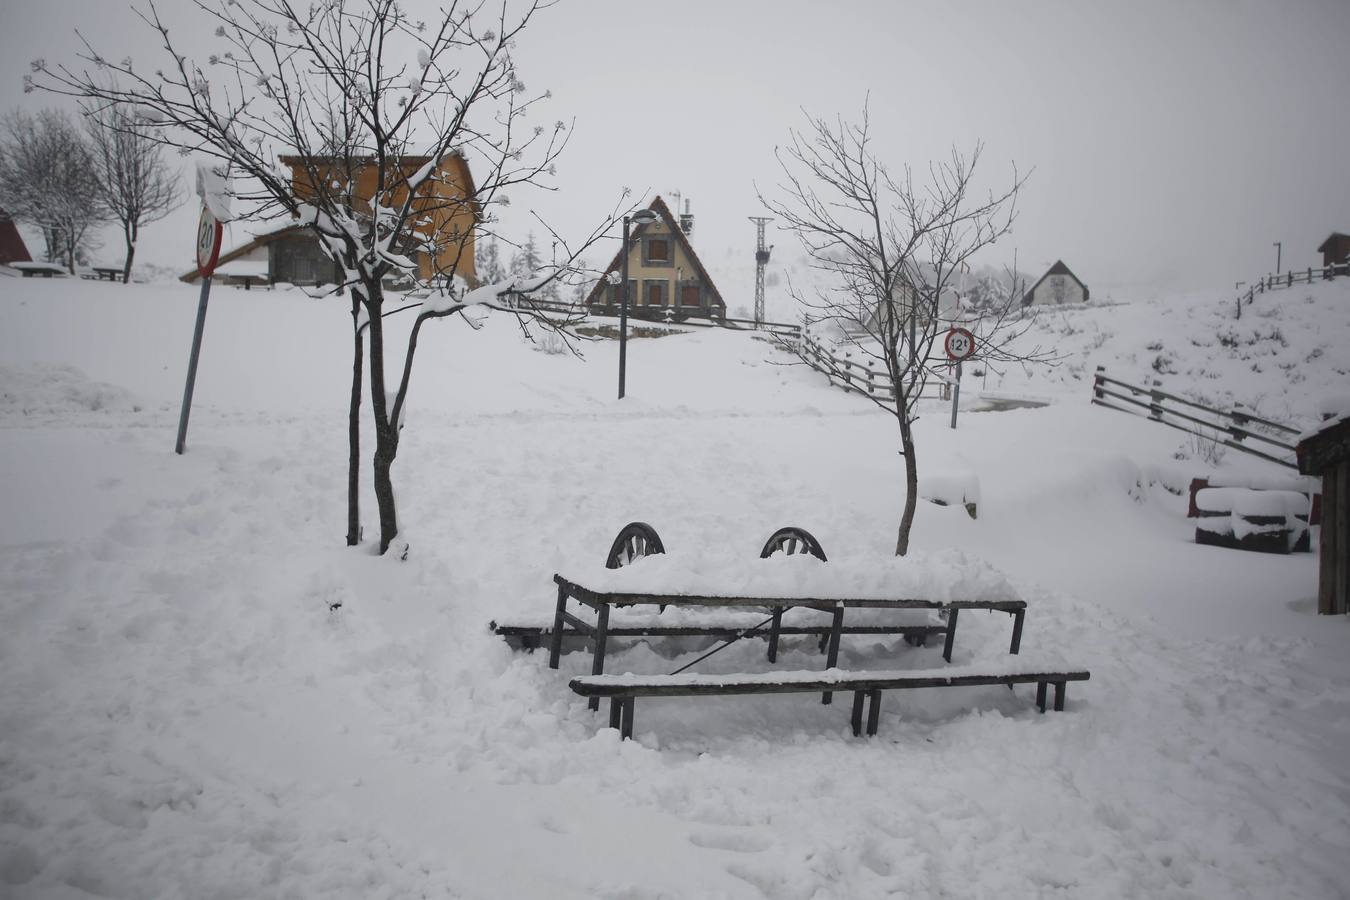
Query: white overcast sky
[{"x": 1173, "y": 141}]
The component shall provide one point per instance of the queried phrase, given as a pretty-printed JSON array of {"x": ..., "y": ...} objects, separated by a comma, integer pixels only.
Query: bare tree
[
  {"x": 371, "y": 106},
  {"x": 889, "y": 255},
  {"x": 47, "y": 177},
  {"x": 135, "y": 183}
]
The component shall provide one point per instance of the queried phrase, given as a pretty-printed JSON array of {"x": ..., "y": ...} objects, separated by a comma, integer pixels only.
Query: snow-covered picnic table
[
  {"x": 45, "y": 269},
  {"x": 912, "y": 596}
]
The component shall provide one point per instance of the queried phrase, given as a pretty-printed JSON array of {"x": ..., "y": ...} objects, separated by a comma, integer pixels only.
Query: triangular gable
[
  {"x": 659, "y": 207},
  {"x": 12, "y": 247},
  {"x": 1057, "y": 269}
]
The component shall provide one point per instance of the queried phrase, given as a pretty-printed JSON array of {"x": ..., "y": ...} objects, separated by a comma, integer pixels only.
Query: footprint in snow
[{"x": 738, "y": 842}]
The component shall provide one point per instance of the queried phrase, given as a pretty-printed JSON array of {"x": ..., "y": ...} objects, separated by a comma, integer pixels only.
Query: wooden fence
[
  {"x": 1230, "y": 429},
  {"x": 851, "y": 375},
  {"x": 1289, "y": 279},
  {"x": 778, "y": 329}
]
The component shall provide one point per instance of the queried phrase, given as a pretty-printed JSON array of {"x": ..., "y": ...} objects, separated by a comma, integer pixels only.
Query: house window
[
  {"x": 654, "y": 293},
  {"x": 656, "y": 251},
  {"x": 616, "y": 297},
  {"x": 691, "y": 293}
]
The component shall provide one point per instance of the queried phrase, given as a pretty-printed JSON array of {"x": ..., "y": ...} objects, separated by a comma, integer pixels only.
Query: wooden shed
[
  {"x": 1335, "y": 249},
  {"x": 1327, "y": 453},
  {"x": 12, "y": 248}
]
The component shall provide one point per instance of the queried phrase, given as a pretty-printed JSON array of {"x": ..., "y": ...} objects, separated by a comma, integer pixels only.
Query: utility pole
[
  {"x": 1277, "y": 257},
  {"x": 761, "y": 260}
]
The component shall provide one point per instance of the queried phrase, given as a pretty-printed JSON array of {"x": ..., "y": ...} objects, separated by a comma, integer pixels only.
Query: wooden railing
[
  {"x": 1230, "y": 429},
  {"x": 1289, "y": 279},
  {"x": 779, "y": 329},
  {"x": 851, "y": 375}
]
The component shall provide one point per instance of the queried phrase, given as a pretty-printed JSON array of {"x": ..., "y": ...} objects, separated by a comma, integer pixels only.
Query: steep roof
[
  {"x": 1057, "y": 269},
  {"x": 659, "y": 207},
  {"x": 249, "y": 246},
  {"x": 1335, "y": 238},
  {"x": 12, "y": 248}
]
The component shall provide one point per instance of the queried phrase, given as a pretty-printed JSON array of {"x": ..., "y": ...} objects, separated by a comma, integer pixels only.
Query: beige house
[{"x": 666, "y": 280}]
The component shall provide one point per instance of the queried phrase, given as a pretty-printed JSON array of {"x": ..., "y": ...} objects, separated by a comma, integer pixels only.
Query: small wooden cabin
[
  {"x": 666, "y": 280},
  {"x": 1058, "y": 285},
  {"x": 12, "y": 247},
  {"x": 287, "y": 255},
  {"x": 1335, "y": 249},
  {"x": 447, "y": 214},
  {"x": 1327, "y": 453}
]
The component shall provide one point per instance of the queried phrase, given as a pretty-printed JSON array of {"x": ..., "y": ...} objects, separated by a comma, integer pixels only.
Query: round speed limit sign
[
  {"x": 959, "y": 344},
  {"x": 208, "y": 243}
]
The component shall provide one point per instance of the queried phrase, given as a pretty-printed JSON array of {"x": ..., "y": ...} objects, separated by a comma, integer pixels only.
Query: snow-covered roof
[{"x": 253, "y": 243}]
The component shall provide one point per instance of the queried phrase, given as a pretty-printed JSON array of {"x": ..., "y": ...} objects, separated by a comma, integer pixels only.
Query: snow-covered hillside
[{"x": 208, "y": 695}]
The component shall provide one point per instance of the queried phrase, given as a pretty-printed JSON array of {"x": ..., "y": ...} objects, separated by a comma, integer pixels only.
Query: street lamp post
[{"x": 641, "y": 217}]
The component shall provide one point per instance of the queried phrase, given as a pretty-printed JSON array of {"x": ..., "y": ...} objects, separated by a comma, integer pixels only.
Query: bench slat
[
  {"x": 541, "y": 631},
  {"x": 803, "y": 682}
]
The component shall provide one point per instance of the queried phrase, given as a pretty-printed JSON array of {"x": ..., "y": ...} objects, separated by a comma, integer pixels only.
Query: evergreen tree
[
  {"x": 489, "y": 262},
  {"x": 526, "y": 262}
]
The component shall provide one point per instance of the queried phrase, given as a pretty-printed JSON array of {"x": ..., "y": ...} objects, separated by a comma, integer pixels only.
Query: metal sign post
[
  {"x": 956, "y": 393},
  {"x": 209, "y": 233},
  {"x": 960, "y": 345}
]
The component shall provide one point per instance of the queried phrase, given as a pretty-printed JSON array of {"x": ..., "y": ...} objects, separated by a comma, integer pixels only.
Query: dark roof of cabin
[
  {"x": 659, "y": 207},
  {"x": 1057, "y": 269},
  {"x": 1335, "y": 238},
  {"x": 1326, "y": 448}
]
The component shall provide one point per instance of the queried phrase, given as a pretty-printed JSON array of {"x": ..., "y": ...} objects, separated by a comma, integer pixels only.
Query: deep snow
[{"x": 207, "y": 695}]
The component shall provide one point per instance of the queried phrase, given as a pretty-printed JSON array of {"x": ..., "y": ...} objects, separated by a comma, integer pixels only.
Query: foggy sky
[{"x": 1172, "y": 142}]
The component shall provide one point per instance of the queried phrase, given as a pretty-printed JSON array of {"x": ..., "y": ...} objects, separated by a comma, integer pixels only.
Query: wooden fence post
[
  {"x": 1239, "y": 420},
  {"x": 1097, "y": 383},
  {"x": 1155, "y": 400}
]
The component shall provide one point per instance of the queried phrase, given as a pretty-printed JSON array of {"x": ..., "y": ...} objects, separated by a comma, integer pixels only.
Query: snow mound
[
  {"x": 942, "y": 575},
  {"x": 48, "y": 390}
]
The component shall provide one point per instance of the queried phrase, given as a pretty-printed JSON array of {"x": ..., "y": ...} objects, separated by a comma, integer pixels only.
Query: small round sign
[
  {"x": 209, "y": 234},
  {"x": 959, "y": 344}
]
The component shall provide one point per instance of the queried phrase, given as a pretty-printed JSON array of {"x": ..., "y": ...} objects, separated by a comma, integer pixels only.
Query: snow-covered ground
[{"x": 188, "y": 712}]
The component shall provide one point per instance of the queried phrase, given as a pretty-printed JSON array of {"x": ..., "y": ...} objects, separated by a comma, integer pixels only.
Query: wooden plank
[
  {"x": 555, "y": 643},
  {"x": 663, "y": 686},
  {"x": 1209, "y": 409},
  {"x": 1339, "y": 601},
  {"x": 714, "y": 631},
  {"x": 1226, "y": 443},
  {"x": 1332, "y": 476},
  {"x": 873, "y": 711}
]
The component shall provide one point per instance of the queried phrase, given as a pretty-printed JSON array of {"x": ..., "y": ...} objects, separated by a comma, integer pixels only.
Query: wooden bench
[
  {"x": 108, "y": 273},
  {"x": 46, "y": 270},
  {"x": 623, "y": 690},
  {"x": 530, "y": 636}
]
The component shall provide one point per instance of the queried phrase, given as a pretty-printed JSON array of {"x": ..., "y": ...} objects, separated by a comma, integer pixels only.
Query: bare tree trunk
[
  {"x": 129, "y": 233},
  {"x": 386, "y": 432},
  {"x": 354, "y": 432},
  {"x": 911, "y": 486}
]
